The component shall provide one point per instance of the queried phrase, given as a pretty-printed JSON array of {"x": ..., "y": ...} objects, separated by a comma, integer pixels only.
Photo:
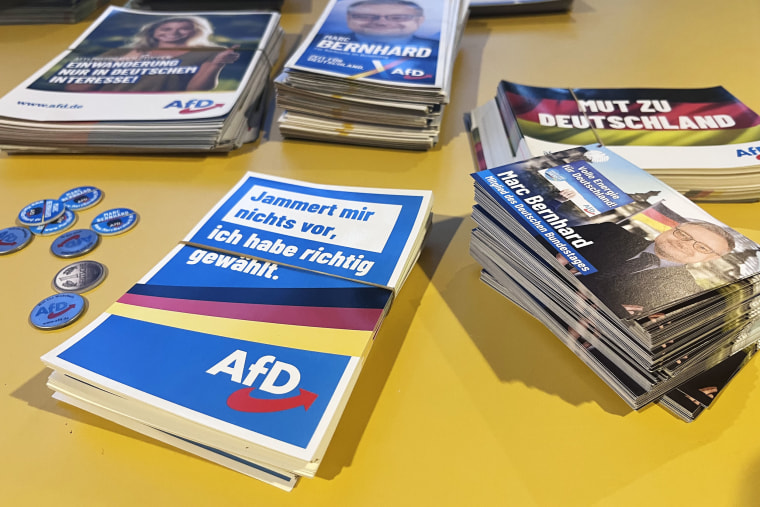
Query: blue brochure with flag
[{"x": 240, "y": 358}]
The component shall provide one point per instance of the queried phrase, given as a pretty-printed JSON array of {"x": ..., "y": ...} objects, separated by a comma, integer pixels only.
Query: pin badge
[
  {"x": 79, "y": 277},
  {"x": 67, "y": 220},
  {"x": 57, "y": 311},
  {"x": 114, "y": 221},
  {"x": 75, "y": 243},
  {"x": 81, "y": 198},
  {"x": 13, "y": 239},
  {"x": 41, "y": 212}
]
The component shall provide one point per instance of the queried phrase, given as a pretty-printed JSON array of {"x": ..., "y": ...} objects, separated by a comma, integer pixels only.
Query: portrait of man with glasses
[
  {"x": 386, "y": 21},
  {"x": 635, "y": 275},
  {"x": 382, "y": 40}
]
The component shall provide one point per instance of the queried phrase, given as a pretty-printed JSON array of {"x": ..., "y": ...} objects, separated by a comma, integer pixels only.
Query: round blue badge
[
  {"x": 13, "y": 239},
  {"x": 74, "y": 243},
  {"x": 114, "y": 221},
  {"x": 41, "y": 212},
  {"x": 67, "y": 220},
  {"x": 57, "y": 311},
  {"x": 81, "y": 198}
]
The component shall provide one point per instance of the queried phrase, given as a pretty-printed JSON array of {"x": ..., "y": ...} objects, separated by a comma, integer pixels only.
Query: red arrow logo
[
  {"x": 188, "y": 111},
  {"x": 55, "y": 315},
  {"x": 71, "y": 238},
  {"x": 3, "y": 243},
  {"x": 241, "y": 401}
]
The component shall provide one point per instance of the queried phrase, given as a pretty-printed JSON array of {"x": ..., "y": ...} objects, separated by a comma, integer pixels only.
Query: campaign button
[
  {"x": 13, "y": 239},
  {"x": 67, "y": 220},
  {"x": 114, "y": 221},
  {"x": 81, "y": 198},
  {"x": 79, "y": 277},
  {"x": 41, "y": 212},
  {"x": 57, "y": 311},
  {"x": 75, "y": 243}
]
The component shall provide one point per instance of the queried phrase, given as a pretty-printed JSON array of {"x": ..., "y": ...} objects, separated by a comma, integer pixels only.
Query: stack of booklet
[
  {"x": 644, "y": 286},
  {"x": 703, "y": 142},
  {"x": 29, "y": 12},
  {"x": 148, "y": 82},
  {"x": 373, "y": 72},
  {"x": 243, "y": 344}
]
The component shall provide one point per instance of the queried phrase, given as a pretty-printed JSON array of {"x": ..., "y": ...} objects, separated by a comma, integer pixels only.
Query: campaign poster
[
  {"x": 139, "y": 52},
  {"x": 397, "y": 43}
]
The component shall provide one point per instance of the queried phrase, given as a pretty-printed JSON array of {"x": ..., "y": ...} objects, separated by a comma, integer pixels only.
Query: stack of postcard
[
  {"x": 639, "y": 282},
  {"x": 148, "y": 81},
  {"x": 29, "y": 12},
  {"x": 243, "y": 344},
  {"x": 703, "y": 142},
  {"x": 373, "y": 72}
]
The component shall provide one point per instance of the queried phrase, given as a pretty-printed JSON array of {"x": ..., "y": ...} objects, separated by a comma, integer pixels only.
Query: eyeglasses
[
  {"x": 396, "y": 18},
  {"x": 698, "y": 246}
]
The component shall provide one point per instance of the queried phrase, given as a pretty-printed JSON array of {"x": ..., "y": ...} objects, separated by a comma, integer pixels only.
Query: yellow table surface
[{"x": 465, "y": 399}]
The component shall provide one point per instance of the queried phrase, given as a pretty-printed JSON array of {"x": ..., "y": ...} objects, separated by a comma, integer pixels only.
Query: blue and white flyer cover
[
  {"x": 631, "y": 240},
  {"x": 143, "y": 66},
  {"x": 371, "y": 235},
  {"x": 398, "y": 43},
  {"x": 256, "y": 360}
]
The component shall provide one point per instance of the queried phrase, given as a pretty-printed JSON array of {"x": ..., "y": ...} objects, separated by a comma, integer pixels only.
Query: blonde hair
[{"x": 202, "y": 31}]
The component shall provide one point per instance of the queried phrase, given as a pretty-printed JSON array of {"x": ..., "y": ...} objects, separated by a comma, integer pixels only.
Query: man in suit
[{"x": 636, "y": 276}]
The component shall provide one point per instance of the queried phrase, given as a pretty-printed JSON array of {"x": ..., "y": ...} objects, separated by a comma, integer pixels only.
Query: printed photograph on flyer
[{"x": 397, "y": 42}]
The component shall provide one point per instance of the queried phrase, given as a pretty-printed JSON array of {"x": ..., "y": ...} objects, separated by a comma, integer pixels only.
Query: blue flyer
[
  {"x": 363, "y": 234},
  {"x": 390, "y": 42}
]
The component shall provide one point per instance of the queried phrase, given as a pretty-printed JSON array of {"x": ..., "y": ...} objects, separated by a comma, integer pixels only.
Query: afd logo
[
  {"x": 54, "y": 311},
  {"x": 411, "y": 73},
  {"x": 279, "y": 378},
  {"x": 193, "y": 106},
  {"x": 590, "y": 210},
  {"x": 749, "y": 152}
]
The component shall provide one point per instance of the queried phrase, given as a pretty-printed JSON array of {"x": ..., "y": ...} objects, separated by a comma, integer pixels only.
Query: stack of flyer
[
  {"x": 244, "y": 344},
  {"x": 193, "y": 5},
  {"x": 659, "y": 298},
  {"x": 373, "y": 72},
  {"x": 148, "y": 82},
  {"x": 511, "y": 7},
  {"x": 30, "y": 12},
  {"x": 703, "y": 142}
]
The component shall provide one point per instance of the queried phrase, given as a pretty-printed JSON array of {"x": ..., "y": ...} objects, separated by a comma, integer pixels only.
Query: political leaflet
[
  {"x": 195, "y": 75},
  {"x": 272, "y": 352},
  {"x": 386, "y": 57},
  {"x": 703, "y": 142},
  {"x": 30, "y": 12},
  {"x": 510, "y": 7},
  {"x": 368, "y": 235},
  {"x": 643, "y": 285},
  {"x": 204, "y": 5},
  {"x": 356, "y": 42}
]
